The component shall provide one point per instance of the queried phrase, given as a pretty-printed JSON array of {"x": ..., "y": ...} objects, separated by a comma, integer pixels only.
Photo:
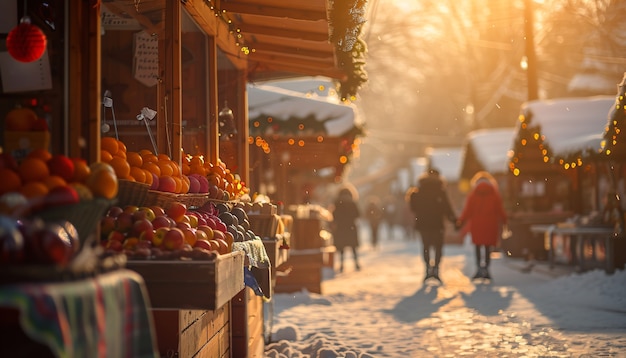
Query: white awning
[
  {"x": 282, "y": 104},
  {"x": 570, "y": 125},
  {"x": 447, "y": 160},
  {"x": 491, "y": 147}
]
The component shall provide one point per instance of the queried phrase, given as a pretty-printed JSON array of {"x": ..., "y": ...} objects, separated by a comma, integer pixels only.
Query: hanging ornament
[{"x": 26, "y": 42}]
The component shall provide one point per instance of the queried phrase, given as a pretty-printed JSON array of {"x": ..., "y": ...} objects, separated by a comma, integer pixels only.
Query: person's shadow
[
  {"x": 422, "y": 304},
  {"x": 487, "y": 300}
]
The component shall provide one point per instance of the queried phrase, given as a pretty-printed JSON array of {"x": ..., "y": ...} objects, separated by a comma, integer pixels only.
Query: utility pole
[{"x": 531, "y": 57}]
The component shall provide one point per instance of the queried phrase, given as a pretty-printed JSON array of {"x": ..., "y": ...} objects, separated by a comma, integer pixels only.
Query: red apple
[
  {"x": 147, "y": 236},
  {"x": 176, "y": 211},
  {"x": 203, "y": 244},
  {"x": 183, "y": 225},
  {"x": 215, "y": 246},
  {"x": 61, "y": 195},
  {"x": 158, "y": 211},
  {"x": 223, "y": 246},
  {"x": 149, "y": 213},
  {"x": 194, "y": 184},
  {"x": 107, "y": 224},
  {"x": 174, "y": 239},
  {"x": 56, "y": 245},
  {"x": 131, "y": 209},
  {"x": 207, "y": 230},
  {"x": 214, "y": 191},
  {"x": 161, "y": 221},
  {"x": 130, "y": 243},
  {"x": 114, "y": 245},
  {"x": 201, "y": 235},
  {"x": 7, "y": 161},
  {"x": 220, "y": 226},
  {"x": 204, "y": 184},
  {"x": 115, "y": 211},
  {"x": 116, "y": 236},
  {"x": 124, "y": 222},
  {"x": 141, "y": 226},
  {"x": 62, "y": 166},
  {"x": 219, "y": 235},
  {"x": 167, "y": 184}
]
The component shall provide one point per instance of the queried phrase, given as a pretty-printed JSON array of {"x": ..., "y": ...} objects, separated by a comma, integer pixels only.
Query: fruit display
[
  {"x": 174, "y": 232},
  {"x": 193, "y": 175}
]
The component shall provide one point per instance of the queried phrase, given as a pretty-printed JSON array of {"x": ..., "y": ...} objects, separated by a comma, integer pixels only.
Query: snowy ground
[{"x": 385, "y": 310}]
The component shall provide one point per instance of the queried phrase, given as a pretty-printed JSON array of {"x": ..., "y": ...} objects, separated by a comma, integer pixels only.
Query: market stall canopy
[
  {"x": 563, "y": 130},
  {"x": 278, "y": 39},
  {"x": 447, "y": 160},
  {"x": 313, "y": 86},
  {"x": 273, "y": 110},
  {"x": 487, "y": 149}
]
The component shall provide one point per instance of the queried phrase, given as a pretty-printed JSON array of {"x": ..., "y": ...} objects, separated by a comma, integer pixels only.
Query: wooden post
[{"x": 213, "y": 125}]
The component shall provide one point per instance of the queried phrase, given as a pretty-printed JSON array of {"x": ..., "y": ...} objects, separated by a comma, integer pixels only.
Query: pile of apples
[
  {"x": 170, "y": 233},
  {"x": 32, "y": 241},
  {"x": 24, "y": 119}
]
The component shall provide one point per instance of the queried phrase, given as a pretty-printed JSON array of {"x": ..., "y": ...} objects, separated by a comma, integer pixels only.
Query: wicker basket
[
  {"x": 193, "y": 200},
  {"x": 85, "y": 215},
  {"x": 131, "y": 193},
  {"x": 159, "y": 198}
]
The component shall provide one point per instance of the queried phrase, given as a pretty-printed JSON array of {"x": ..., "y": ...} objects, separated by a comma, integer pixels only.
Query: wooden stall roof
[
  {"x": 447, "y": 160},
  {"x": 278, "y": 38},
  {"x": 487, "y": 149}
]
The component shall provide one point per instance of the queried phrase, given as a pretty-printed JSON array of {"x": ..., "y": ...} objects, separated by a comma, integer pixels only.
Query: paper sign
[
  {"x": 25, "y": 76},
  {"x": 146, "y": 69}
]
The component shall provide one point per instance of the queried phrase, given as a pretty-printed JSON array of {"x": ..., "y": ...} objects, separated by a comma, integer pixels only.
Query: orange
[
  {"x": 120, "y": 166},
  {"x": 81, "y": 170},
  {"x": 120, "y": 154},
  {"x": 149, "y": 177},
  {"x": 105, "y": 156},
  {"x": 149, "y": 157},
  {"x": 40, "y": 153},
  {"x": 197, "y": 169},
  {"x": 134, "y": 159},
  {"x": 138, "y": 174},
  {"x": 121, "y": 146},
  {"x": 101, "y": 166},
  {"x": 196, "y": 160},
  {"x": 102, "y": 181},
  {"x": 11, "y": 181},
  {"x": 152, "y": 168},
  {"x": 163, "y": 156},
  {"x": 186, "y": 169},
  {"x": 143, "y": 152},
  {"x": 179, "y": 185},
  {"x": 215, "y": 180},
  {"x": 53, "y": 181},
  {"x": 175, "y": 168},
  {"x": 185, "y": 187},
  {"x": 166, "y": 168},
  {"x": 33, "y": 169},
  {"x": 109, "y": 144},
  {"x": 34, "y": 189}
]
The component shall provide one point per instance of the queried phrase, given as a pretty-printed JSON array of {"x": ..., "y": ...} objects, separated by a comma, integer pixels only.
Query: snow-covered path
[{"x": 385, "y": 310}]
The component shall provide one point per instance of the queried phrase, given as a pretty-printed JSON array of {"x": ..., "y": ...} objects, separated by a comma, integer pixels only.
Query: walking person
[
  {"x": 374, "y": 215},
  {"x": 485, "y": 215},
  {"x": 431, "y": 205},
  {"x": 344, "y": 225}
]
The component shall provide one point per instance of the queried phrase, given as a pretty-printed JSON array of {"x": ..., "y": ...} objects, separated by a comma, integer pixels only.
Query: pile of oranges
[
  {"x": 144, "y": 166},
  {"x": 217, "y": 173},
  {"x": 41, "y": 171}
]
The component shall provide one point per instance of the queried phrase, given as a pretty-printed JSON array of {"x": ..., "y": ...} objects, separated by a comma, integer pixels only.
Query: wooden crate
[
  {"x": 192, "y": 284},
  {"x": 194, "y": 333},
  {"x": 306, "y": 234},
  {"x": 304, "y": 270},
  {"x": 247, "y": 325}
]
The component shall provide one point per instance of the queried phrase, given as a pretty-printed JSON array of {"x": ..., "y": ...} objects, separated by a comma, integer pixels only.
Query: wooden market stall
[
  {"x": 553, "y": 176},
  {"x": 170, "y": 77}
]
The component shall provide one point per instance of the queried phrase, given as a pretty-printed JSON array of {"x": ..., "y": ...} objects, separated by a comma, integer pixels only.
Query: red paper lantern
[{"x": 26, "y": 42}]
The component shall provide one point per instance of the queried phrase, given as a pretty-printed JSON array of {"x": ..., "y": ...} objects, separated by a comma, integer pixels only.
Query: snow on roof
[
  {"x": 283, "y": 104},
  {"x": 447, "y": 160},
  {"x": 310, "y": 86},
  {"x": 491, "y": 147},
  {"x": 570, "y": 124}
]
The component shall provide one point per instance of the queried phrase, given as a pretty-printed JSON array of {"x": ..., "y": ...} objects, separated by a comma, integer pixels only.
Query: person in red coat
[{"x": 485, "y": 215}]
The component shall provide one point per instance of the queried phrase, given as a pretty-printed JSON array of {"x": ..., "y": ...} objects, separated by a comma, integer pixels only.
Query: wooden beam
[
  {"x": 124, "y": 10},
  {"x": 291, "y": 33},
  {"x": 296, "y": 51},
  {"x": 213, "y": 125},
  {"x": 274, "y": 11},
  {"x": 294, "y": 61},
  {"x": 264, "y": 67}
]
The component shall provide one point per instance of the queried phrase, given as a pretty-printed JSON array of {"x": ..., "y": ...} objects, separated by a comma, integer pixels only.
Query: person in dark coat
[
  {"x": 431, "y": 205},
  {"x": 344, "y": 225},
  {"x": 485, "y": 215},
  {"x": 374, "y": 215}
]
